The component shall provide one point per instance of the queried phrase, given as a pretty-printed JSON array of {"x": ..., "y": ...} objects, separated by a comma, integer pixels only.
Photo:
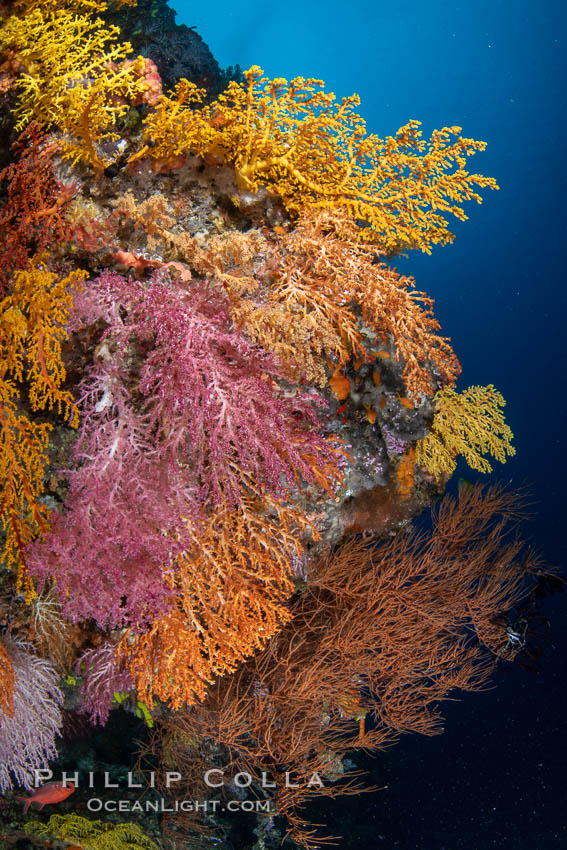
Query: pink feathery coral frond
[
  {"x": 178, "y": 410},
  {"x": 215, "y": 397}
]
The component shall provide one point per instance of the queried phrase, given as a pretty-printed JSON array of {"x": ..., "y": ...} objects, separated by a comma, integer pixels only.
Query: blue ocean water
[{"x": 496, "y": 778}]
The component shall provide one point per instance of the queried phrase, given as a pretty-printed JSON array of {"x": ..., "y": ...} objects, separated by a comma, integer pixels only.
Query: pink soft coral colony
[
  {"x": 207, "y": 408},
  {"x": 220, "y": 408}
]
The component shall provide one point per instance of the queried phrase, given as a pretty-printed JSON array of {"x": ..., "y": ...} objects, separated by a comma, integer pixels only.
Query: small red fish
[{"x": 51, "y": 792}]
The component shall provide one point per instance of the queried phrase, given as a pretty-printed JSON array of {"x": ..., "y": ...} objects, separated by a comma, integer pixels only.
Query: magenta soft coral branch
[{"x": 178, "y": 408}]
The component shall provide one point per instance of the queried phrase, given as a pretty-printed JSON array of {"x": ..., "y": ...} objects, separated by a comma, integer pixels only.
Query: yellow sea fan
[
  {"x": 313, "y": 151},
  {"x": 470, "y": 424},
  {"x": 73, "y": 77}
]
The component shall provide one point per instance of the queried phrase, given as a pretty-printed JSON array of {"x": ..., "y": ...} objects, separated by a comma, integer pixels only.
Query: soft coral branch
[
  {"x": 213, "y": 398},
  {"x": 179, "y": 412}
]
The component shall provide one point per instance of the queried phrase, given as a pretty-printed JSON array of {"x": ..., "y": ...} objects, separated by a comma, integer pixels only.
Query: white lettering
[
  {"x": 171, "y": 776},
  {"x": 108, "y": 783},
  {"x": 208, "y": 780},
  {"x": 42, "y": 776},
  {"x": 265, "y": 781},
  {"x": 132, "y": 784}
]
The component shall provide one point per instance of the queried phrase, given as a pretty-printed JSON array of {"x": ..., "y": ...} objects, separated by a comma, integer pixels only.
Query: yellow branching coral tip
[
  {"x": 32, "y": 328},
  {"x": 470, "y": 424},
  {"x": 72, "y": 77},
  {"x": 166, "y": 127},
  {"x": 299, "y": 142},
  {"x": 33, "y": 322},
  {"x": 92, "y": 834}
]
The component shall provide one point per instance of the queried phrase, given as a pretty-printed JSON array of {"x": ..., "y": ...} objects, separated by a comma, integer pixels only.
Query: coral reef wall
[{"x": 221, "y": 407}]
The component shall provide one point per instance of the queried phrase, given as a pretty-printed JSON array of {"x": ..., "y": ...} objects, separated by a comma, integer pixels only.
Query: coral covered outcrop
[{"x": 221, "y": 407}]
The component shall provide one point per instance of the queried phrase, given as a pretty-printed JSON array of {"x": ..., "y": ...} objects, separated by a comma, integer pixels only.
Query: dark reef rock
[{"x": 177, "y": 49}]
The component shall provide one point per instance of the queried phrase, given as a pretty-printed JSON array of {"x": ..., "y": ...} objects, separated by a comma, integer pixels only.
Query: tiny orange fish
[
  {"x": 376, "y": 377},
  {"x": 371, "y": 415},
  {"x": 51, "y": 792},
  {"x": 384, "y": 354},
  {"x": 406, "y": 402},
  {"x": 281, "y": 231}
]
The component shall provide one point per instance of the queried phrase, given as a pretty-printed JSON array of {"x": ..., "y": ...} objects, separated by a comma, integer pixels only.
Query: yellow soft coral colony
[
  {"x": 72, "y": 77},
  {"x": 32, "y": 327},
  {"x": 299, "y": 142},
  {"x": 470, "y": 424}
]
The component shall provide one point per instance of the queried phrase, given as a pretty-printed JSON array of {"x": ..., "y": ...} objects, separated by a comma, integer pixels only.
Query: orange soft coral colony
[
  {"x": 232, "y": 586},
  {"x": 304, "y": 303},
  {"x": 313, "y": 151},
  {"x": 8, "y": 679}
]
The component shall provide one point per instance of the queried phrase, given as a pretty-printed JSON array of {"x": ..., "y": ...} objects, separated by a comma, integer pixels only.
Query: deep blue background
[{"x": 496, "y": 778}]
